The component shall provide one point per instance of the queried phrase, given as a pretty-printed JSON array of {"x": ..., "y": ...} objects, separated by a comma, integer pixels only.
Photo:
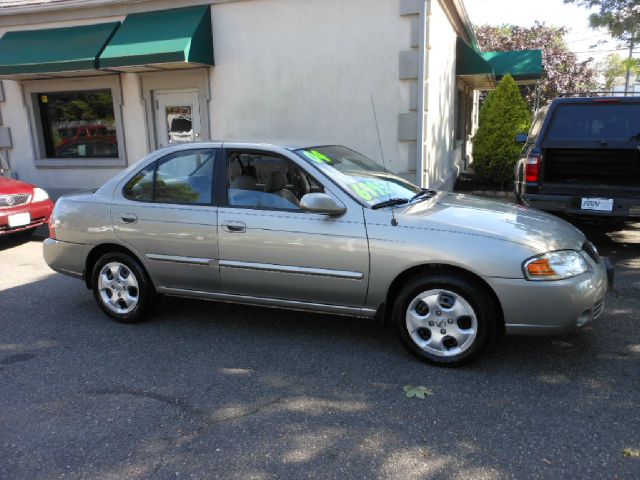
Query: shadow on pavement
[{"x": 210, "y": 388}]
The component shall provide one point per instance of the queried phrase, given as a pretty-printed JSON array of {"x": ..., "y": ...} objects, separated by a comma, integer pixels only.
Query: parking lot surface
[{"x": 214, "y": 390}]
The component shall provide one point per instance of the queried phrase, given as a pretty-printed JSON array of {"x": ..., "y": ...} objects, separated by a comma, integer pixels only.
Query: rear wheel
[
  {"x": 122, "y": 288},
  {"x": 444, "y": 319}
]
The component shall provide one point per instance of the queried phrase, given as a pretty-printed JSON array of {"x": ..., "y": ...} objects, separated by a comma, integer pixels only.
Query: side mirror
[
  {"x": 321, "y": 203},
  {"x": 521, "y": 138}
]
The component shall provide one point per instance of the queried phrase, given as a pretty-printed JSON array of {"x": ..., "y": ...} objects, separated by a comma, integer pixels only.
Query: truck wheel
[
  {"x": 444, "y": 319},
  {"x": 122, "y": 288}
]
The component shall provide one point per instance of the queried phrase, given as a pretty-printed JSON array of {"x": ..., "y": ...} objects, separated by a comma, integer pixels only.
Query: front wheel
[
  {"x": 122, "y": 288},
  {"x": 444, "y": 319}
]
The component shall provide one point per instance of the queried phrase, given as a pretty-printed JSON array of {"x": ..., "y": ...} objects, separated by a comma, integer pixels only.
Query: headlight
[
  {"x": 39, "y": 195},
  {"x": 555, "y": 265}
]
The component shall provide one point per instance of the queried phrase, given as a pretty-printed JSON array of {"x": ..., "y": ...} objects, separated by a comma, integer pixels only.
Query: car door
[
  {"x": 166, "y": 213},
  {"x": 270, "y": 248}
]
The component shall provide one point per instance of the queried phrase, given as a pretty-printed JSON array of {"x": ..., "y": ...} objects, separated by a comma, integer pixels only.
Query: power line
[
  {"x": 599, "y": 51},
  {"x": 603, "y": 35}
]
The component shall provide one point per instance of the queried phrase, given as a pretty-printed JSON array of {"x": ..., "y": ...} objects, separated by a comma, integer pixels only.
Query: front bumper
[
  {"x": 623, "y": 207},
  {"x": 552, "y": 307},
  {"x": 39, "y": 212}
]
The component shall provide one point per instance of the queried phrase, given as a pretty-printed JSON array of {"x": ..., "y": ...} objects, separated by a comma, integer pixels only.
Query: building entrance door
[{"x": 177, "y": 117}]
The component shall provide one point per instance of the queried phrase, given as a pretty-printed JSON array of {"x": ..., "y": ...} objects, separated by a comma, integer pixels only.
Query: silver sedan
[{"x": 326, "y": 229}]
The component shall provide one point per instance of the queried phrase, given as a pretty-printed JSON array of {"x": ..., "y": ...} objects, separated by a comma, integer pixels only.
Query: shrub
[{"x": 503, "y": 115}]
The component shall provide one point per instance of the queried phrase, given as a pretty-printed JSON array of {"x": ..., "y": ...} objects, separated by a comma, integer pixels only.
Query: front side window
[
  {"x": 265, "y": 181},
  {"x": 364, "y": 179},
  {"x": 183, "y": 178},
  {"x": 78, "y": 124}
]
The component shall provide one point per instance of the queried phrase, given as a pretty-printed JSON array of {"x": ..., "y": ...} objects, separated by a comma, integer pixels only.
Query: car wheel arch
[
  {"x": 100, "y": 250},
  {"x": 434, "y": 269}
]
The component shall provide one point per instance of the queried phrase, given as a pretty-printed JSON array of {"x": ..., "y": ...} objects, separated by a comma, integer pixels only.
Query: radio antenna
[{"x": 394, "y": 222}]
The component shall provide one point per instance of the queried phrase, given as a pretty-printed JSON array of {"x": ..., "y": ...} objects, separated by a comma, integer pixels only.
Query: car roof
[
  {"x": 596, "y": 100},
  {"x": 288, "y": 145}
]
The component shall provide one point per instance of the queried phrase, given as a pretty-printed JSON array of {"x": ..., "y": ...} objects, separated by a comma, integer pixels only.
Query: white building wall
[
  {"x": 305, "y": 71},
  {"x": 442, "y": 154},
  {"x": 301, "y": 71},
  {"x": 136, "y": 130}
]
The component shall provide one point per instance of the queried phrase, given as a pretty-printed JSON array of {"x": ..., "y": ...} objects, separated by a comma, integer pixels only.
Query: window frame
[
  {"x": 223, "y": 198},
  {"x": 213, "y": 202},
  {"x": 30, "y": 90}
]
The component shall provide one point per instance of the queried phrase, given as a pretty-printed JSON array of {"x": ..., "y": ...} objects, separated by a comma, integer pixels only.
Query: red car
[{"x": 23, "y": 207}]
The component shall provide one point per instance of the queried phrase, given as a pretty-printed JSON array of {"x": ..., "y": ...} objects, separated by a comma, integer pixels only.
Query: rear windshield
[{"x": 604, "y": 121}]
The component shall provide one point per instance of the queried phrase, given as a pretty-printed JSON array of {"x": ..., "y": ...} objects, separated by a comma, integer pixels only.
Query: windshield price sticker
[
  {"x": 317, "y": 157},
  {"x": 370, "y": 190}
]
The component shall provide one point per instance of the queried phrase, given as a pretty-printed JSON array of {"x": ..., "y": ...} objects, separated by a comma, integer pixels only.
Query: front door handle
[
  {"x": 129, "y": 218},
  {"x": 234, "y": 227}
]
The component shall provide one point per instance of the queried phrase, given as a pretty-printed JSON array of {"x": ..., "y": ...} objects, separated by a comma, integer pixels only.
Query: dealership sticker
[
  {"x": 370, "y": 189},
  {"x": 318, "y": 157}
]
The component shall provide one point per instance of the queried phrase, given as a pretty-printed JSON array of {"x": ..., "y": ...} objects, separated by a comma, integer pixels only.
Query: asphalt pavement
[{"x": 213, "y": 390}]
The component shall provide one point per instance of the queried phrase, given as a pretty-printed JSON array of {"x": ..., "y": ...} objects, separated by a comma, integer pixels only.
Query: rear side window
[
  {"x": 184, "y": 177},
  {"x": 596, "y": 122}
]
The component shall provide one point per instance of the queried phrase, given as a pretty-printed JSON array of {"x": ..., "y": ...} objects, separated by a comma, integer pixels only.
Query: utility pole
[{"x": 629, "y": 60}]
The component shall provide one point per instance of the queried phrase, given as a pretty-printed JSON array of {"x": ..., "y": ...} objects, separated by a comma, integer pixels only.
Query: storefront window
[{"x": 78, "y": 124}]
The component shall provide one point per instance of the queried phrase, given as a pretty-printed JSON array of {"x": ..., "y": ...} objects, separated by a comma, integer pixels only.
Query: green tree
[
  {"x": 621, "y": 18},
  {"x": 611, "y": 68},
  {"x": 614, "y": 66},
  {"x": 504, "y": 114}
]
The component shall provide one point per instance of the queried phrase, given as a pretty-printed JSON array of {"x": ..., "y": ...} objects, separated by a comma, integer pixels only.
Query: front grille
[
  {"x": 14, "y": 200},
  {"x": 591, "y": 251}
]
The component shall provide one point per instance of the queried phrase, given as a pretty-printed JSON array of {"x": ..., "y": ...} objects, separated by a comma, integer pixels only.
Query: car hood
[
  {"x": 513, "y": 223},
  {"x": 10, "y": 186}
]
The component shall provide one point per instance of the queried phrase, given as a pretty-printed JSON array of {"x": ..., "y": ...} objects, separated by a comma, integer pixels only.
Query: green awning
[
  {"x": 482, "y": 70},
  {"x": 176, "y": 38},
  {"x": 54, "y": 51},
  {"x": 472, "y": 67},
  {"x": 522, "y": 65}
]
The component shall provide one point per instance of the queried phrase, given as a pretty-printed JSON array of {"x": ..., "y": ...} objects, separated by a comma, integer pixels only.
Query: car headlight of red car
[{"x": 39, "y": 195}]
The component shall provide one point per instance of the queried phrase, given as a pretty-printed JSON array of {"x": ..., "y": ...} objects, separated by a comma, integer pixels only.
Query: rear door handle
[
  {"x": 234, "y": 227},
  {"x": 129, "y": 218}
]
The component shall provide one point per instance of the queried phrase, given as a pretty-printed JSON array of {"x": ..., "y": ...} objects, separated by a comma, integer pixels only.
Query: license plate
[
  {"x": 599, "y": 204},
  {"x": 19, "y": 220}
]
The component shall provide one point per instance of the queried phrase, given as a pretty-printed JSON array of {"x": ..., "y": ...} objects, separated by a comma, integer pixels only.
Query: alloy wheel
[
  {"x": 118, "y": 288},
  {"x": 441, "y": 322}
]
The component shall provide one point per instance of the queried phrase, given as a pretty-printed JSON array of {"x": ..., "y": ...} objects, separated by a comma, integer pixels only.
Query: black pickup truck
[{"x": 582, "y": 157}]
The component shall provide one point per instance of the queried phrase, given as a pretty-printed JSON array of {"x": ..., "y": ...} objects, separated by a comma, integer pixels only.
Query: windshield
[{"x": 364, "y": 179}]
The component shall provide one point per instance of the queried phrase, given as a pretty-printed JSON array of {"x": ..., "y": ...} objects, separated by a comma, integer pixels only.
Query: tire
[
  {"x": 122, "y": 288},
  {"x": 444, "y": 319}
]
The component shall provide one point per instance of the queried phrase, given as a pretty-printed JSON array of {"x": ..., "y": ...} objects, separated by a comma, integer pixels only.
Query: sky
[{"x": 581, "y": 36}]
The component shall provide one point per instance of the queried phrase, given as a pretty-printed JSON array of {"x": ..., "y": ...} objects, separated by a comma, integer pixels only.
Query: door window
[
  {"x": 266, "y": 181},
  {"x": 184, "y": 177},
  {"x": 177, "y": 117},
  {"x": 179, "y": 124}
]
